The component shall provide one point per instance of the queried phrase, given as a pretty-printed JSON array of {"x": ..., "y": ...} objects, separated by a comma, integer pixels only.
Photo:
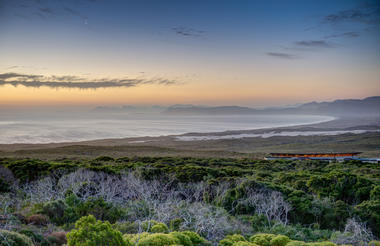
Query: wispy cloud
[
  {"x": 314, "y": 44},
  {"x": 368, "y": 14},
  {"x": 187, "y": 31},
  {"x": 46, "y": 10},
  {"x": 282, "y": 55},
  {"x": 344, "y": 35},
  {"x": 32, "y": 80}
]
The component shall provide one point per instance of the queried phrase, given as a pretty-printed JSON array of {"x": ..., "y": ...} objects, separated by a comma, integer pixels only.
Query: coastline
[{"x": 249, "y": 147}]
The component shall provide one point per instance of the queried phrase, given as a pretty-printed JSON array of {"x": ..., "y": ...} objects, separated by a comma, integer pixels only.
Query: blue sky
[{"x": 249, "y": 53}]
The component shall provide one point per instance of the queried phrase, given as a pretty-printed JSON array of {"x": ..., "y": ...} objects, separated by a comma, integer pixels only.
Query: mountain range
[{"x": 366, "y": 106}]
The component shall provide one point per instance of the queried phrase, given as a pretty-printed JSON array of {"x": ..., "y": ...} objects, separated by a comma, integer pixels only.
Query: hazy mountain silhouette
[{"x": 369, "y": 105}]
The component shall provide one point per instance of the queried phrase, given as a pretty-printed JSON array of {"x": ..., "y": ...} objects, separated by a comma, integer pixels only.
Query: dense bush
[
  {"x": 10, "y": 238},
  {"x": 183, "y": 238},
  {"x": 37, "y": 239},
  {"x": 55, "y": 210},
  {"x": 57, "y": 238},
  {"x": 196, "y": 239},
  {"x": 303, "y": 200},
  {"x": 158, "y": 239},
  {"x": 230, "y": 240},
  {"x": 262, "y": 239},
  {"x": 90, "y": 232},
  {"x": 72, "y": 208},
  {"x": 279, "y": 240}
]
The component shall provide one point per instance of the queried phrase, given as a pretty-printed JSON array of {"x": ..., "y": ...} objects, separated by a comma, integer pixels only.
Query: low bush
[
  {"x": 230, "y": 240},
  {"x": 262, "y": 239},
  {"x": 296, "y": 243},
  {"x": 374, "y": 243},
  {"x": 160, "y": 227},
  {"x": 88, "y": 232},
  {"x": 126, "y": 227},
  {"x": 175, "y": 224},
  {"x": 55, "y": 210},
  {"x": 37, "y": 239},
  {"x": 10, "y": 238},
  {"x": 148, "y": 224},
  {"x": 196, "y": 239},
  {"x": 279, "y": 240},
  {"x": 58, "y": 238},
  {"x": 183, "y": 239},
  {"x": 158, "y": 239},
  {"x": 244, "y": 243}
]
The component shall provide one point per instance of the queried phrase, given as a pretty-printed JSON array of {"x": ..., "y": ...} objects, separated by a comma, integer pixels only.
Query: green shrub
[
  {"x": 72, "y": 208},
  {"x": 262, "y": 239},
  {"x": 104, "y": 158},
  {"x": 374, "y": 243},
  {"x": 175, "y": 224},
  {"x": 148, "y": 224},
  {"x": 196, "y": 239},
  {"x": 183, "y": 239},
  {"x": 10, "y": 238},
  {"x": 298, "y": 232},
  {"x": 231, "y": 239},
  {"x": 4, "y": 185},
  {"x": 368, "y": 211},
  {"x": 55, "y": 210},
  {"x": 158, "y": 239},
  {"x": 57, "y": 238},
  {"x": 322, "y": 244},
  {"x": 36, "y": 238},
  {"x": 99, "y": 208},
  {"x": 126, "y": 227},
  {"x": 159, "y": 228},
  {"x": 244, "y": 243},
  {"x": 279, "y": 240},
  {"x": 90, "y": 232},
  {"x": 133, "y": 239},
  {"x": 296, "y": 243}
]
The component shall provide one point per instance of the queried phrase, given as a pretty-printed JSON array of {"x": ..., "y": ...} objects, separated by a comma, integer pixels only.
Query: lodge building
[{"x": 321, "y": 156}]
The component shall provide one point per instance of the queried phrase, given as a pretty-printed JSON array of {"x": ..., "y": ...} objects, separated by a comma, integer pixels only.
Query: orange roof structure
[{"x": 306, "y": 155}]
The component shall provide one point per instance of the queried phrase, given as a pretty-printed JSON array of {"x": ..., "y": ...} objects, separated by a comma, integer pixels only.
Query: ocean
[{"x": 55, "y": 130}]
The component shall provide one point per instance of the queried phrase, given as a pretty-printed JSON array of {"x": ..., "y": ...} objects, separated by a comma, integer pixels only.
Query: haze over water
[{"x": 47, "y": 130}]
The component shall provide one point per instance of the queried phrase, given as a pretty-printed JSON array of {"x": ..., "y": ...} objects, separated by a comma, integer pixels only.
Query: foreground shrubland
[{"x": 211, "y": 201}]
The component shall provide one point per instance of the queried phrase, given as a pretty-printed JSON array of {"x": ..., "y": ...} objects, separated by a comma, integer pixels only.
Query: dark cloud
[
  {"x": 368, "y": 13},
  {"x": 313, "y": 44},
  {"x": 187, "y": 31},
  {"x": 282, "y": 55},
  {"x": 344, "y": 35},
  {"x": 5, "y": 76},
  {"x": 31, "y": 80}
]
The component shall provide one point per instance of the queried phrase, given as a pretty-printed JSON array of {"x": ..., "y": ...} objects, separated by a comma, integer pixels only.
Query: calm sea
[{"x": 47, "y": 130}]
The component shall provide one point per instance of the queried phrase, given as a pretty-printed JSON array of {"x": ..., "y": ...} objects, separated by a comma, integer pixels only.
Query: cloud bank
[{"x": 69, "y": 81}]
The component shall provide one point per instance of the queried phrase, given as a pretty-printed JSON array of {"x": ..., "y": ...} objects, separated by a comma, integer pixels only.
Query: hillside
[{"x": 213, "y": 201}]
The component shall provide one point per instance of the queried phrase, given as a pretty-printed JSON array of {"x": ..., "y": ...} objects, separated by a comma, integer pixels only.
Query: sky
[{"x": 210, "y": 52}]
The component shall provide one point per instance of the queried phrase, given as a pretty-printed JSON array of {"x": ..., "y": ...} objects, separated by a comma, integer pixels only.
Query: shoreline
[
  {"x": 328, "y": 119},
  {"x": 334, "y": 124}
]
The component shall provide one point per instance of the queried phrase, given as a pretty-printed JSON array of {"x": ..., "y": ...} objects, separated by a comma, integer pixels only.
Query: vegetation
[{"x": 188, "y": 201}]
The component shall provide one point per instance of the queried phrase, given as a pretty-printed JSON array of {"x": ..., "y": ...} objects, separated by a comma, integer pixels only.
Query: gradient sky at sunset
[{"x": 212, "y": 52}]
